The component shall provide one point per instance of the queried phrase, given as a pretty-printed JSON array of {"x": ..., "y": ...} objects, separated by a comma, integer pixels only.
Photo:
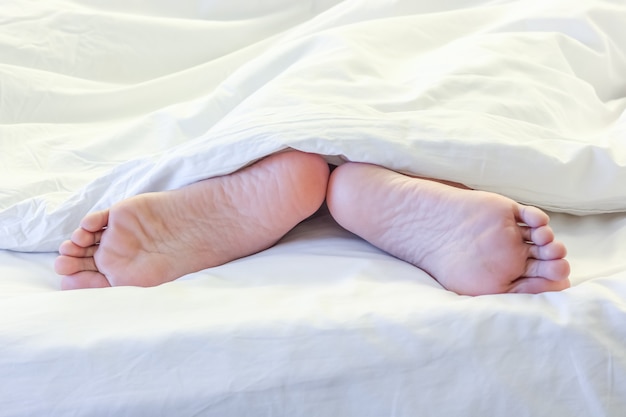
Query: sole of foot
[
  {"x": 471, "y": 242},
  {"x": 157, "y": 237}
]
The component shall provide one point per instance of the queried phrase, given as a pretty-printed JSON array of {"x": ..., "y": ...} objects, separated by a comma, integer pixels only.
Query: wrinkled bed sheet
[{"x": 321, "y": 324}]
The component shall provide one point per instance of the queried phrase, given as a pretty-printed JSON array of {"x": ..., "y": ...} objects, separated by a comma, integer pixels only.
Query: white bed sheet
[{"x": 326, "y": 325}]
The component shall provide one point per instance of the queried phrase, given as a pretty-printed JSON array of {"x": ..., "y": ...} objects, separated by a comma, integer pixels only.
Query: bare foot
[
  {"x": 154, "y": 238},
  {"x": 470, "y": 241}
]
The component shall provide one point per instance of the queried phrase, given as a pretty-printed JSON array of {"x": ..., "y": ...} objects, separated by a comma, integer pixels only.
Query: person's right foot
[{"x": 154, "y": 238}]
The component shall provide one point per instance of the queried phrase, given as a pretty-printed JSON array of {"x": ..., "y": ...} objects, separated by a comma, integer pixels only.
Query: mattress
[{"x": 100, "y": 101}]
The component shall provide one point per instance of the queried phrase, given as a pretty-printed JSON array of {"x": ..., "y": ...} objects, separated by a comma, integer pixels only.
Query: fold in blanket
[{"x": 99, "y": 103}]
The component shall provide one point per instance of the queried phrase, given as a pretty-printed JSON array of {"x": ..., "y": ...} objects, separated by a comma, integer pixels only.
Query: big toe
[
  {"x": 86, "y": 279},
  {"x": 534, "y": 285},
  {"x": 553, "y": 270},
  {"x": 68, "y": 265}
]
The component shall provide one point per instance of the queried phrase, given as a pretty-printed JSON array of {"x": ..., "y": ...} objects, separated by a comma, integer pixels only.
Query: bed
[{"x": 103, "y": 100}]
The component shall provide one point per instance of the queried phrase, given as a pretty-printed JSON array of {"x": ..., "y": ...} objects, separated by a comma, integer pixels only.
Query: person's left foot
[{"x": 470, "y": 241}]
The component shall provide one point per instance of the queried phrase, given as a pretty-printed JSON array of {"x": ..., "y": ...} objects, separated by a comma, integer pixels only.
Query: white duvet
[{"x": 103, "y": 100}]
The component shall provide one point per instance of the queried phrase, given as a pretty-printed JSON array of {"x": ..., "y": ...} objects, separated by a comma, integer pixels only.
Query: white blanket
[{"x": 100, "y": 101}]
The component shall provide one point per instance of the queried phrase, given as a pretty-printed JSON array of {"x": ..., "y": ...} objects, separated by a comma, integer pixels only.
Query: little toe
[
  {"x": 68, "y": 265},
  {"x": 554, "y": 270},
  {"x": 532, "y": 216},
  {"x": 95, "y": 221},
  {"x": 85, "y": 279},
  {"x": 550, "y": 251}
]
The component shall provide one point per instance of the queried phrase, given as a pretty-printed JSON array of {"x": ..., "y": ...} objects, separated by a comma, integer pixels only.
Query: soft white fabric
[
  {"x": 103, "y": 100},
  {"x": 322, "y": 324}
]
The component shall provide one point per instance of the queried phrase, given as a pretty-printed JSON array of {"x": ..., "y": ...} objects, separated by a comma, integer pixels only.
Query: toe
[
  {"x": 534, "y": 285},
  {"x": 541, "y": 235},
  {"x": 551, "y": 251},
  {"x": 554, "y": 270},
  {"x": 532, "y": 216},
  {"x": 68, "y": 265},
  {"x": 84, "y": 238},
  {"x": 69, "y": 248},
  {"x": 86, "y": 279},
  {"x": 95, "y": 221}
]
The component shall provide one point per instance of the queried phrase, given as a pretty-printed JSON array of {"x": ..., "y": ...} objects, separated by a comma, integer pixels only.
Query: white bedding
[
  {"x": 104, "y": 101},
  {"x": 101, "y": 100},
  {"x": 320, "y": 325}
]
